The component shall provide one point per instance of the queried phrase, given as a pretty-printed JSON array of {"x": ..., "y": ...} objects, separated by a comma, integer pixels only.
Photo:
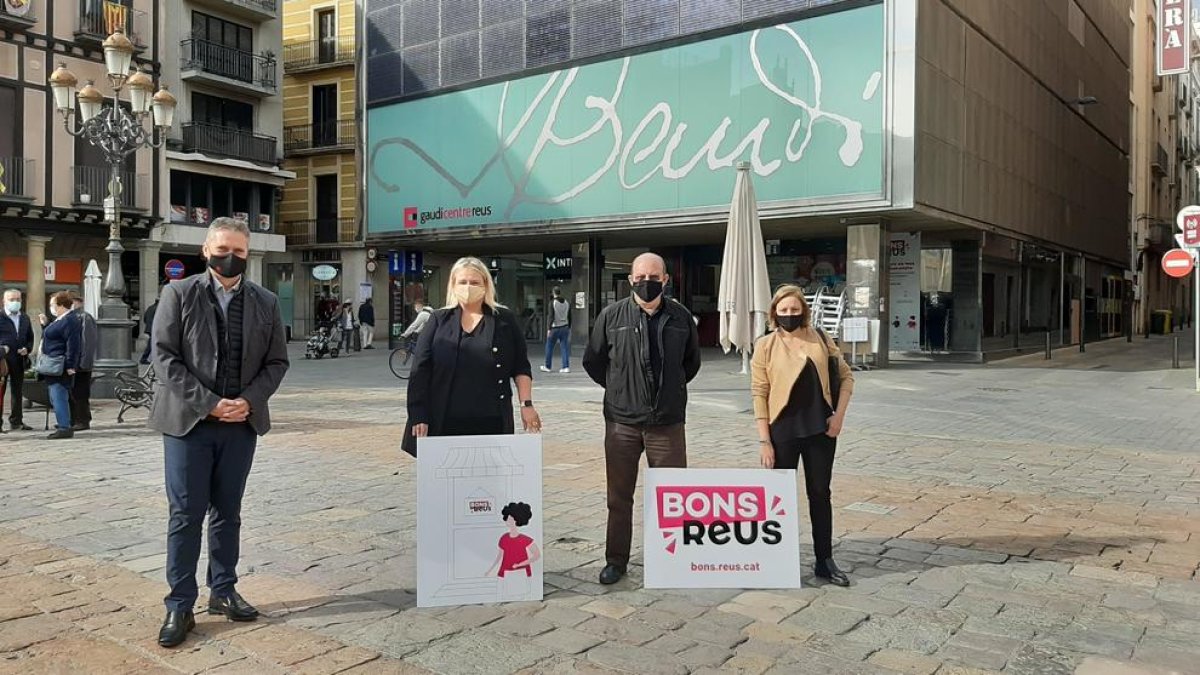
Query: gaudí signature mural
[{"x": 662, "y": 131}]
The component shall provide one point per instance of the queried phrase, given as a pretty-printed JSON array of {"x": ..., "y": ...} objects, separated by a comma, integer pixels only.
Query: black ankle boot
[{"x": 828, "y": 570}]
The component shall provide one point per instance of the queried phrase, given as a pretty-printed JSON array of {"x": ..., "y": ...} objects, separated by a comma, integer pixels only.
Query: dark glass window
[{"x": 222, "y": 111}]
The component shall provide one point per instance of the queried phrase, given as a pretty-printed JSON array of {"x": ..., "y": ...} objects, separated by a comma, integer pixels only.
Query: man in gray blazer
[
  {"x": 81, "y": 386},
  {"x": 219, "y": 354}
]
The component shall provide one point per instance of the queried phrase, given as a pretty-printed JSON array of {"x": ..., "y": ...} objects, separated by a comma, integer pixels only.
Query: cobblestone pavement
[{"x": 1023, "y": 517}]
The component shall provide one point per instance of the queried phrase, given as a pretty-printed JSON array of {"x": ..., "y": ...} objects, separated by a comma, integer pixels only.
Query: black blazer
[
  {"x": 433, "y": 370},
  {"x": 14, "y": 338}
]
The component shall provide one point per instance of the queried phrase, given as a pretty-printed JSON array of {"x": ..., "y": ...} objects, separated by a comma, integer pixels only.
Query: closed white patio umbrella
[
  {"x": 91, "y": 288},
  {"x": 745, "y": 292}
]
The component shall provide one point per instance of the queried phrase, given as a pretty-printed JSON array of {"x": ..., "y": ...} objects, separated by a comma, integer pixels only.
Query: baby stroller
[{"x": 318, "y": 345}]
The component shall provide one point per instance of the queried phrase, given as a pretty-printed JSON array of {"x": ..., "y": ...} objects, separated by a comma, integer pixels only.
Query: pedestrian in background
[
  {"x": 58, "y": 360},
  {"x": 366, "y": 322},
  {"x": 81, "y": 387},
  {"x": 346, "y": 324},
  {"x": 422, "y": 312},
  {"x": 219, "y": 355},
  {"x": 147, "y": 325},
  {"x": 16, "y": 341},
  {"x": 795, "y": 372},
  {"x": 559, "y": 333},
  {"x": 644, "y": 351},
  {"x": 467, "y": 358}
]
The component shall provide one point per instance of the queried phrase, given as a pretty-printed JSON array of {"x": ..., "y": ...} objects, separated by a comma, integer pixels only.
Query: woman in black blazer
[{"x": 467, "y": 358}]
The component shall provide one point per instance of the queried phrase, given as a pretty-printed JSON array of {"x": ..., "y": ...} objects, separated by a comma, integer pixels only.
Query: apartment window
[
  {"x": 8, "y": 132},
  {"x": 326, "y": 36},
  {"x": 324, "y": 115},
  {"x": 222, "y": 32},
  {"x": 222, "y": 112}
]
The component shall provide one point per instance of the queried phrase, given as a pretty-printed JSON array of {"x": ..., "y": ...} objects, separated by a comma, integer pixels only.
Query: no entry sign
[{"x": 1177, "y": 263}]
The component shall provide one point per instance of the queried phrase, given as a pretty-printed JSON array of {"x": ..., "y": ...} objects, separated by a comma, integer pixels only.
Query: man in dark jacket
[
  {"x": 16, "y": 341},
  {"x": 219, "y": 355},
  {"x": 366, "y": 319},
  {"x": 147, "y": 324},
  {"x": 81, "y": 387},
  {"x": 643, "y": 351}
]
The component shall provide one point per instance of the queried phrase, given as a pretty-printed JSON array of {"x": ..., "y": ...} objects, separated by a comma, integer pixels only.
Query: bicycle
[{"x": 401, "y": 359}]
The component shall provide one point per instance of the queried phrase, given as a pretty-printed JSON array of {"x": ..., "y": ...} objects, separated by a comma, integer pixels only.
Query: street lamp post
[{"x": 117, "y": 134}]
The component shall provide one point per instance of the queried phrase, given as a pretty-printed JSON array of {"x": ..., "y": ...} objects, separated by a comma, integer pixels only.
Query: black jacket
[
  {"x": 148, "y": 319},
  {"x": 366, "y": 314},
  {"x": 61, "y": 338},
  {"x": 89, "y": 340},
  {"x": 618, "y": 358},
  {"x": 15, "y": 339},
  {"x": 433, "y": 365}
]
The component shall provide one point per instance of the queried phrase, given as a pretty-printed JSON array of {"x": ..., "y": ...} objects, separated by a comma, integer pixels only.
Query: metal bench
[{"x": 134, "y": 391}]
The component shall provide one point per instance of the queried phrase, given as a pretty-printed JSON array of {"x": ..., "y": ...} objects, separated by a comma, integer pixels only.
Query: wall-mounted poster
[
  {"x": 904, "y": 303},
  {"x": 479, "y": 519},
  {"x": 721, "y": 528}
]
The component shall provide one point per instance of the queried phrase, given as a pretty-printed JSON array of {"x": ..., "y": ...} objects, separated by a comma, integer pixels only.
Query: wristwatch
[{"x": 527, "y": 404}]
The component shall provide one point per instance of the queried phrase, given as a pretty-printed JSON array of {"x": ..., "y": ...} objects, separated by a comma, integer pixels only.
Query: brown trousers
[{"x": 665, "y": 447}]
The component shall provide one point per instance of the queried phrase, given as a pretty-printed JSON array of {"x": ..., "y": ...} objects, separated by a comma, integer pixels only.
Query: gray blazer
[
  {"x": 185, "y": 355},
  {"x": 89, "y": 341}
]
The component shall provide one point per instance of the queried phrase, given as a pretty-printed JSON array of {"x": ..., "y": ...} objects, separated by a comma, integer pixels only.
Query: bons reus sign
[
  {"x": 1174, "y": 44},
  {"x": 721, "y": 528}
]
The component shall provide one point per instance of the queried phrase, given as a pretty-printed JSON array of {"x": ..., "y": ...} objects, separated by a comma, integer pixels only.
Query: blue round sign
[{"x": 174, "y": 269}]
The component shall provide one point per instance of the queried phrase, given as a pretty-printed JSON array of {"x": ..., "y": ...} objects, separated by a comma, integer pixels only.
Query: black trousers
[
  {"x": 81, "y": 398},
  {"x": 206, "y": 474},
  {"x": 816, "y": 452},
  {"x": 16, "y": 379}
]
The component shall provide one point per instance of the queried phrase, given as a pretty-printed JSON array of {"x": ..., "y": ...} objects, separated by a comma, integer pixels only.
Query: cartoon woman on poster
[{"x": 518, "y": 552}]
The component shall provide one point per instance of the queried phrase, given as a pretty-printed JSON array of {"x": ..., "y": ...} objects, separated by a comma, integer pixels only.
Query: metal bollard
[
  {"x": 1175, "y": 352},
  {"x": 1047, "y": 345}
]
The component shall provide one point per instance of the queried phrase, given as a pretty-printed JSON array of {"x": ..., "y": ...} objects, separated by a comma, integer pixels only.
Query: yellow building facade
[{"x": 319, "y": 126}]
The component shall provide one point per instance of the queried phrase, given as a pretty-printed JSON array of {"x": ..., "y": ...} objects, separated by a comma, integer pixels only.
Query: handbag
[
  {"x": 50, "y": 366},
  {"x": 833, "y": 365}
]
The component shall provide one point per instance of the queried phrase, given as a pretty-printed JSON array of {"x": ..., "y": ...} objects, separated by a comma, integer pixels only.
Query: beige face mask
[{"x": 468, "y": 295}]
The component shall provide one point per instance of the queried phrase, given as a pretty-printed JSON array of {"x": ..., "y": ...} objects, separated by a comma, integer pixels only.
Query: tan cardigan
[{"x": 773, "y": 371}]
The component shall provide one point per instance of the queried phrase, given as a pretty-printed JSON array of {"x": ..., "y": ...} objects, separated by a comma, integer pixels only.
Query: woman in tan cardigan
[{"x": 798, "y": 420}]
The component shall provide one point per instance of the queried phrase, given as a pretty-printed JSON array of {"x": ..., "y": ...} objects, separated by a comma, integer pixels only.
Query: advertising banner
[
  {"x": 721, "y": 528},
  {"x": 1174, "y": 41},
  {"x": 479, "y": 519},
  {"x": 660, "y": 131},
  {"x": 904, "y": 274}
]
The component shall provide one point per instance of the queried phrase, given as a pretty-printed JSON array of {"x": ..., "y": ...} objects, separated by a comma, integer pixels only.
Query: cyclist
[{"x": 414, "y": 329}]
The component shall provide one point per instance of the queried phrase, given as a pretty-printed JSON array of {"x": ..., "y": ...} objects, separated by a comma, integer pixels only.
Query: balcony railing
[
  {"x": 219, "y": 141},
  {"x": 223, "y": 61},
  {"x": 334, "y": 51},
  {"x": 319, "y": 136},
  {"x": 320, "y": 231},
  {"x": 99, "y": 18},
  {"x": 1160, "y": 165},
  {"x": 15, "y": 173},
  {"x": 91, "y": 187}
]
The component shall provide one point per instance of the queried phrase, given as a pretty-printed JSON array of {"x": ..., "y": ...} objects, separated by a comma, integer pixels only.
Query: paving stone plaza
[{"x": 1022, "y": 517}]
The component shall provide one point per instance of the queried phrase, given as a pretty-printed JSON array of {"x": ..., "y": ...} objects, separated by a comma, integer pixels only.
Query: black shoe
[
  {"x": 369, "y": 347},
  {"x": 233, "y": 606},
  {"x": 828, "y": 570},
  {"x": 21, "y": 427},
  {"x": 82, "y": 426},
  {"x": 61, "y": 433},
  {"x": 176, "y": 627},
  {"x": 611, "y": 574}
]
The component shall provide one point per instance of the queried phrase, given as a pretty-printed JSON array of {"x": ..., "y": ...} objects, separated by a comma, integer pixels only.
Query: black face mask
[
  {"x": 648, "y": 290},
  {"x": 229, "y": 265},
  {"x": 791, "y": 323}
]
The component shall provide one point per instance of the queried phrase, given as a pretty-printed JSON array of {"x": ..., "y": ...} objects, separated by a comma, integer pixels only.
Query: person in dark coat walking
[
  {"x": 16, "y": 342},
  {"x": 60, "y": 340},
  {"x": 81, "y": 388},
  {"x": 467, "y": 358},
  {"x": 366, "y": 320},
  {"x": 219, "y": 355},
  {"x": 644, "y": 351}
]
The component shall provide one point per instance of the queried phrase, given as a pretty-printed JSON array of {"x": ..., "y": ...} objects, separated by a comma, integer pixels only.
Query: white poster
[
  {"x": 479, "y": 519},
  {"x": 721, "y": 528},
  {"x": 365, "y": 290},
  {"x": 904, "y": 301}
]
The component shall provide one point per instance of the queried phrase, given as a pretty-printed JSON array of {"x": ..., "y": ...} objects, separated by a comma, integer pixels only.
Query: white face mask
[{"x": 13, "y": 306}]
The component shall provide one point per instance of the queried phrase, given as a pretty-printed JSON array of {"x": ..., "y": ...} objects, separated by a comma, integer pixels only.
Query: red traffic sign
[
  {"x": 174, "y": 269},
  {"x": 1177, "y": 263},
  {"x": 1191, "y": 230}
]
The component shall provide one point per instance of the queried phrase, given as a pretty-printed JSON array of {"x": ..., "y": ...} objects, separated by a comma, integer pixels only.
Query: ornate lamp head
[{"x": 63, "y": 83}]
